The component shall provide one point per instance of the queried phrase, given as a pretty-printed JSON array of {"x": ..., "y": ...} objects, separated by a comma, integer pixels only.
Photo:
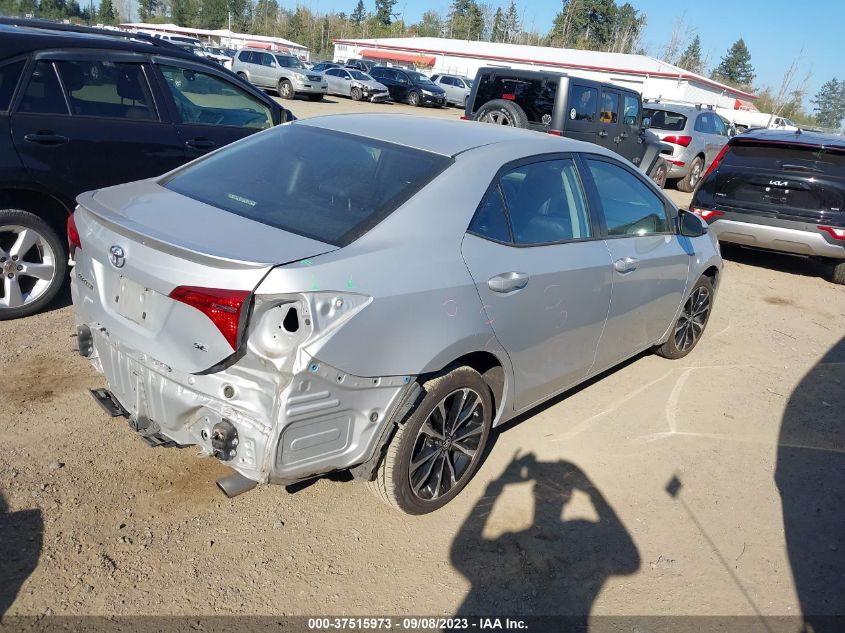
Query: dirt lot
[{"x": 650, "y": 491}]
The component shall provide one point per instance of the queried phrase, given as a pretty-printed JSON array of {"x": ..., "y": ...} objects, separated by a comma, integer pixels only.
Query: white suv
[{"x": 284, "y": 73}]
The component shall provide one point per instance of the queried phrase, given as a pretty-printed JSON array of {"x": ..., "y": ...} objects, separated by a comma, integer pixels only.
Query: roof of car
[
  {"x": 818, "y": 139},
  {"x": 442, "y": 136},
  {"x": 24, "y": 36},
  {"x": 675, "y": 107}
]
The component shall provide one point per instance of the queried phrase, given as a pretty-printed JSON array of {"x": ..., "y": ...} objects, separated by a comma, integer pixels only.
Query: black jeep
[{"x": 582, "y": 109}]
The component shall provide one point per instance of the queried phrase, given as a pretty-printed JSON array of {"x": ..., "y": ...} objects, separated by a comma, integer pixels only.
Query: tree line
[{"x": 599, "y": 25}]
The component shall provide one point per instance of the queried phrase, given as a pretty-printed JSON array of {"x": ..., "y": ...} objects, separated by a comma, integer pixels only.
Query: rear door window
[
  {"x": 583, "y": 103},
  {"x": 321, "y": 184},
  {"x": 43, "y": 94},
  {"x": 107, "y": 89},
  {"x": 490, "y": 220},
  {"x": 609, "y": 108}
]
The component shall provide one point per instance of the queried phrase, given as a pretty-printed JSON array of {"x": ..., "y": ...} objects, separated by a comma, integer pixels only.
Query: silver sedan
[
  {"x": 378, "y": 296},
  {"x": 353, "y": 83}
]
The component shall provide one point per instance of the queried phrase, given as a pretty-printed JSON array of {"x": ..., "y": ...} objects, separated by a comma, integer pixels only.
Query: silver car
[
  {"x": 376, "y": 293},
  {"x": 283, "y": 73},
  {"x": 695, "y": 134},
  {"x": 457, "y": 88},
  {"x": 350, "y": 82}
]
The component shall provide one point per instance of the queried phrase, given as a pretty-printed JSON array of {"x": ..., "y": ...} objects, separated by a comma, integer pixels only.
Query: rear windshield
[
  {"x": 325, "y": 185},
  {"x": 665, "y": 120},
  {"x": 786, "y": 157}
]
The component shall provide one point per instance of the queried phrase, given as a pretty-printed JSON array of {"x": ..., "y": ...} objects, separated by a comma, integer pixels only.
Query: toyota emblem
[{"x": 117, "y": 256}]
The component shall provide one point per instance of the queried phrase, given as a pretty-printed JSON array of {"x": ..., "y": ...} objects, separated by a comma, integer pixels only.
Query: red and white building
[{"x": 651, "y": 77}]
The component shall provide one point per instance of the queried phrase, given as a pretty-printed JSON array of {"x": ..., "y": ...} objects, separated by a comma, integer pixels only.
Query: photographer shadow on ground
[
  {"x": 555, "y": 566},
  {"x": 810, "y": 478},
  {"x": 21, "y": 536}
]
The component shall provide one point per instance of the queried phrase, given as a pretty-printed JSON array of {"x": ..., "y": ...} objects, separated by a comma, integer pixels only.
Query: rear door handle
[
  {"x": 624, "y": 135},
  {"x": 200, "y": 143},
  {"x": 508, "y": 282},
  {"x": 626, "y": 265},
  {"x": 602, "y": 133},
  {"x": 46, "y": 137}
]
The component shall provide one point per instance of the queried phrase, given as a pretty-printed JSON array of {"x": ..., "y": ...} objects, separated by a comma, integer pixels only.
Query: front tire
[
  {"x": 356, "y": 94},
  {"x": 436, "y": 452},
  {"x": 502, "y": 112},
  {"x": 689, "y": 326},
  {"x": 286, "y": 89},
  {"x": 414, "y": 99},
  {"x": 33, "y": 262},
  {"x": 689, "y": 182}
]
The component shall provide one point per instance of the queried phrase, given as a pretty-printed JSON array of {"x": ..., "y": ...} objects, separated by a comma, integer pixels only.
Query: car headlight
[
  {"x": 428, "y": 93},
  {"x": 300, "y": 76}
]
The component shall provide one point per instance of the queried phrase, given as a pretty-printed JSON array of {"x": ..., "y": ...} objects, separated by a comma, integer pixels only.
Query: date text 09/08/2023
[{"x": 411, "y": 624}]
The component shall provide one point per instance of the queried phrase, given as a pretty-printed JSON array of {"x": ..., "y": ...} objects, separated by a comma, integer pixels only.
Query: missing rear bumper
[{"x": 109, "y": 403}]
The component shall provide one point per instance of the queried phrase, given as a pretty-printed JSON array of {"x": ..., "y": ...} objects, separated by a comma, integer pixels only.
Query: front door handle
[
  {"x": 624, "y": 135},
  {"x": 508, "y": 282},
  {"x": 603, "y": 133},
  {"x": 200, "y": 143},
  {"x": 46, "y": 137},
  {"x": 626, "y": 265}
]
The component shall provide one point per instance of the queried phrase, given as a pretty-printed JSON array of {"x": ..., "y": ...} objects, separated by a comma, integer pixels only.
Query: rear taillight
[
  {"x": 509, "y": 96},
  {"x": 837, "y": 232},
  {"x": 717, "y": 160},
  {"x": 72, "y": 235},
  {"x": 706, "y": 214},
  {"x": 223, "y": 307},
  {"x": 678, "y": 140},
  {"x": 555, "y": 132},
  {"x": 464, "y": 117}
]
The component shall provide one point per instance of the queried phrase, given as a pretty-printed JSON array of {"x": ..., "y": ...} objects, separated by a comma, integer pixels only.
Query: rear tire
[
  {"x": 29, "y": 243},
  {"x": 502, "y": 112},
  {"x": 286, "y": 89},
  {"x": 837, "y": 272},
  {"x": 689, "y": 327},
  {"x": 356, "y": 94},
  {"x": 689, "y": 182},
  {"x": 443, "y": 466}
]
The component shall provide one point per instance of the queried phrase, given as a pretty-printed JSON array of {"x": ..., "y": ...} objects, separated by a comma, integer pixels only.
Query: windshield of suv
[
  {"x": 419, "y": 78},
  {"x": 357, "y": 74},
  {"x": 665, "y": 120},
  {"x": 323, "y": 184},
  {"x": 286, "y": 61},
  {"x": 216, "y": 51}
]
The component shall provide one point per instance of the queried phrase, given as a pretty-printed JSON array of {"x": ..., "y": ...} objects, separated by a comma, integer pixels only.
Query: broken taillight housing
[
  {"x": 225, "y": 308},
  {"x": 837, "y": 232}
]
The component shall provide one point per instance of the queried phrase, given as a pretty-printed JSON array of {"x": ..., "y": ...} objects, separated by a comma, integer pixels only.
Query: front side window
[
  {"x": 631, "y": 111},
  {"x": 202, "y": 98},
  {"x": 609, "y": 107},
  {"x": 545, "y": 203},
  {"x": 267, "y": 60},
  {"x": 43, "y": 94},
  {"x": 630, "y": 207},
  {"x": 107, "y": 89},
  {"x": 721, "y": 130},
  {"x": 9, "y": 75},
  {"x": 325, "y": 185},
  {"x": 583, "y": 103}
]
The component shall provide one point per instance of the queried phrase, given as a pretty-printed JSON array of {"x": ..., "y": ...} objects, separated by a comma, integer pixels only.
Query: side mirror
[
  {"x": 347, "y": 78},
  {"x": 646, "y": 122},
  {"x": 273, "y": 64},
  {"x": 690, "y": 225}
]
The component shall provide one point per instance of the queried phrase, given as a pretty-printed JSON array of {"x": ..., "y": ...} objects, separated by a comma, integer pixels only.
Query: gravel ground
[{"x": 649, "y": 491}]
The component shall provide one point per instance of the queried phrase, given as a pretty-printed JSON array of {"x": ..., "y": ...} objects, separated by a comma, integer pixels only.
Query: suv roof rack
[
  {"x": 694, "y": 104},
  {"x": 40, "y": 23}
]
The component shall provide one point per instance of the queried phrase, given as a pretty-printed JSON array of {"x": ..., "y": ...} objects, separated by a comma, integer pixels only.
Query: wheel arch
[
  {"x": 53, "y": 210},
  {"x": 492, "y": 372}
]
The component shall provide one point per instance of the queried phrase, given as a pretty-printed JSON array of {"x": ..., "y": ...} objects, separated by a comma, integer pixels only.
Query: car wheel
[
  {"x": 356, "y": 94},
  {"x": 33, "y": 263},
  {"x": 242, "y": 76},
  {"x": 435, "y": 453},
  {"x": 659, "y": 172},
  {"x": 502, "y": 112},
  {"x": 690, "y": 324},
  {"x": 317, "y": 97},
  {"x": 689, "y": 182},
  {"x": 837, "y": 271},
  {"x": 285, "y": 89},
  {"x": 413, "y": 98}
]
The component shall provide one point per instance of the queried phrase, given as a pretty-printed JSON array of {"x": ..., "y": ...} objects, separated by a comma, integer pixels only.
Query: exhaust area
[{"x": 235, "y": 484}]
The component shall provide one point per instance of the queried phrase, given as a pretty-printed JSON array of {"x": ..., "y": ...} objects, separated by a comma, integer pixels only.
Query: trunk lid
[
  {"x": 782, "y": 179},
  {"x": 165, "y": 241}
]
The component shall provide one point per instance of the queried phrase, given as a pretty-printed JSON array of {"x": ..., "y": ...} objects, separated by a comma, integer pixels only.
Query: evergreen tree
[
  {"x": 146, "y": 9},
  {"x": 359, "y": 15},
  {"x": 384, "y": 11},
  {"x": 736, "y": 67},
  {"x": 184, "y": 12},
  {"x": 466, "y": 20},
  {"x": 597, "y": 25},
  {"x": 213, "y": 14},
  {"x": 512, "y": 25},
  {"x": 106, "y": 13},
  {"x": 691, "y": 58},
  {"x": 830, "y": 104},
  {"x": 73, "y": 9},
  {"x": 498, "y": 32},
  {"x": 430, "y": 26}
]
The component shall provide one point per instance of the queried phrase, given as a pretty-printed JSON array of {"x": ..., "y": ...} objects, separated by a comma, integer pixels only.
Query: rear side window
[
  {"x": 244, "y": 56},
  {"x": 630, "y": 207},
  {"x": 582, "y": 106},
  {"x": 43, "y": 93},
  {"x": 609, "y": 108},
  {"x": 666, "y": 120},
  {"x": 321, "y": 184},
  {"x": 106, "y": 89},
  {"x": 800, "y": 159},
  {"x": 535, "y": 96},
  {"x": 490, "y": 220},
  {"x": 9, "y": 76}
]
